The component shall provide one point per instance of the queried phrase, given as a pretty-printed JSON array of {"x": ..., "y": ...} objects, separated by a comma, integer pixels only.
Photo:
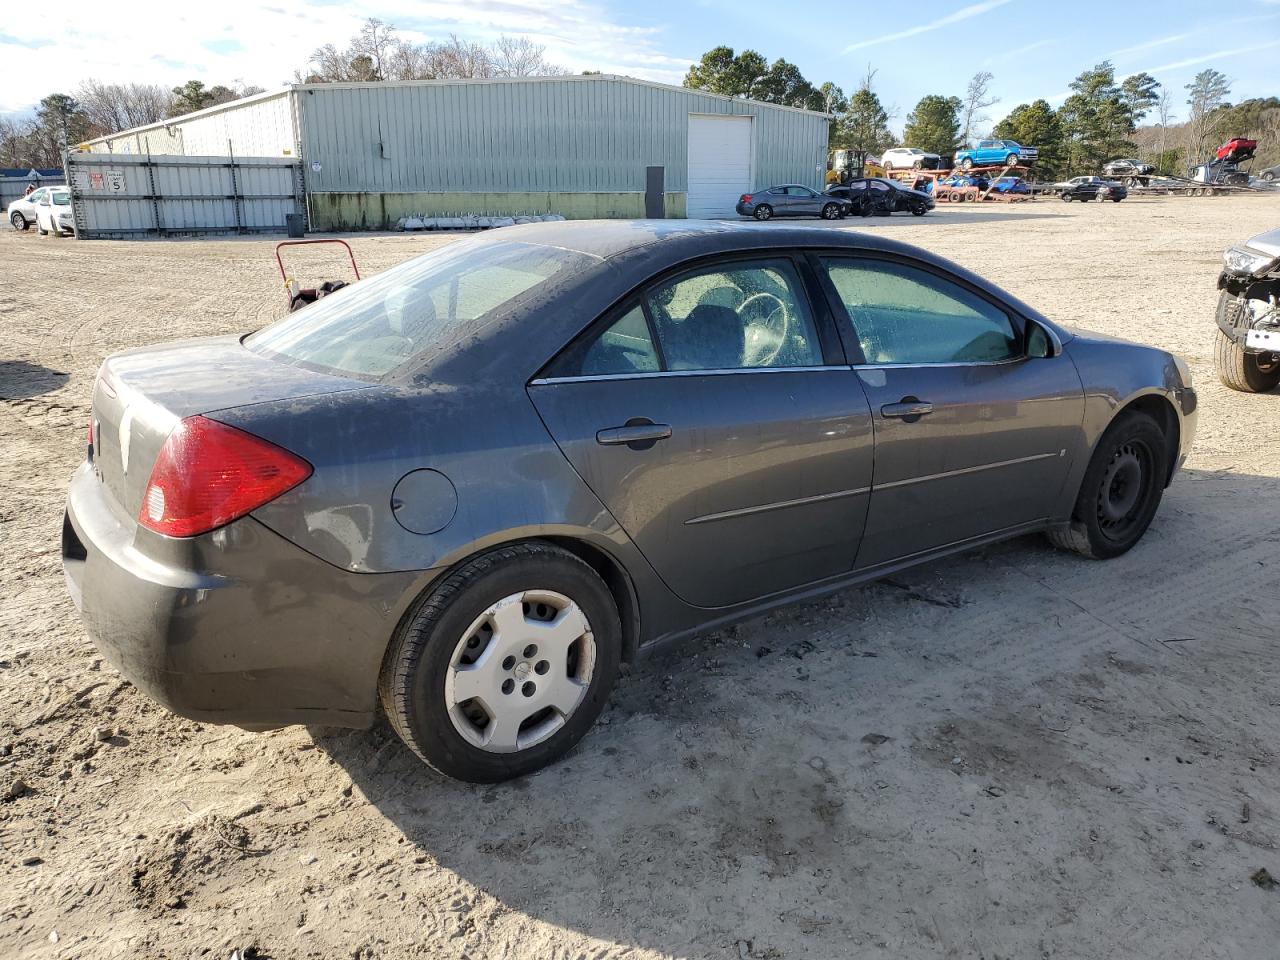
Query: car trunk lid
[{"x": 139, "y": 396}]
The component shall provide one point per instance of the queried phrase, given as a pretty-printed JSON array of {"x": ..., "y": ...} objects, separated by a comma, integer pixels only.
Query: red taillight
[
  {"x": 209, "y": 474},
  {"x": 89, "y": 442},
  {"x": 745, "y": 198}
]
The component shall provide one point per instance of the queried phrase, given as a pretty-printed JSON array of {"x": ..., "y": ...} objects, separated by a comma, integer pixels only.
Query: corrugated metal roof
[{"x": 195, "y": 115}]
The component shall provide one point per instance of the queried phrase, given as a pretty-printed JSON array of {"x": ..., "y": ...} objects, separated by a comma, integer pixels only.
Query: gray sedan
[
  {"x": 463, "y": 492},
  {"x": 790, "y": 200}
]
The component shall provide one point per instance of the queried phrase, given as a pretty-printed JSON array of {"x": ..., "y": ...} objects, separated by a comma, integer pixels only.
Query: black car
[
  {"x": 875, "y": 195},
  {"x": 1085, "y": 189}
]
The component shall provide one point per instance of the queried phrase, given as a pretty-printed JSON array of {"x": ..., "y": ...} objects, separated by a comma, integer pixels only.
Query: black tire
[
  {"x": 19, "y": 221},
  {"x": 918, "y": 210},
  {"x": 966, "y": 164},
  {"x": 41, "y": 230},
  {"x": 763, "y": 212},
  {"x": 1011, "y": 160},
  {"x": 412, "y": 684},
  {"x": 1121, "y": 490},
  {"x": 1268, "y": 176},
  {"x": 1245, "y": 372},
  {"x": 1116, "y": 199},
  {"x": 917, "y": 165},
  {"x": 1067, "y": 198},
  {"x": 830, "y": 211},
  {"x": 866, "y": 209}
]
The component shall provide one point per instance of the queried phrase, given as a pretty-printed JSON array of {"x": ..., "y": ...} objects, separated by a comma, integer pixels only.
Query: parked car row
[
  {"x": 49, "y": 208},
  {"x": 863, "y": 197}
]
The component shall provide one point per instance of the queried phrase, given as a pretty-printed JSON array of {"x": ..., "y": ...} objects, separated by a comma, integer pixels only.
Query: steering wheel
[{"x": 767, "y": 324}]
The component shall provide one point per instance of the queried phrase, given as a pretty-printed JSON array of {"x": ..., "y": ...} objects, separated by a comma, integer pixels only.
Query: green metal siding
[{"x": 558, "y": 135}]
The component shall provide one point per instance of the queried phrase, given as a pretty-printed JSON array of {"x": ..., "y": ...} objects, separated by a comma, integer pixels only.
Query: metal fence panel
[
  {"x": 11, "y": 188},
  {"x": 119, "y": 196}
]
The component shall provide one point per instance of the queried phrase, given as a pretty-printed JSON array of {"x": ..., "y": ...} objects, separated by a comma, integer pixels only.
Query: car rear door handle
[
  {"x": 638, "y": 433},
  {"x": 909, "y": 409}
]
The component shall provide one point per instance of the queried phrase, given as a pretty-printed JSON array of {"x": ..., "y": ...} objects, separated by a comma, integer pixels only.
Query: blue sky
[{"x": 1033, "y": 49}]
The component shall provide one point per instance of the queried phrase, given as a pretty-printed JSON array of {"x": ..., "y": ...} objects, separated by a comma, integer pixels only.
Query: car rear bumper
[
  {"x": 745, "y": 209},
  {"x": 238, "y": 626}
]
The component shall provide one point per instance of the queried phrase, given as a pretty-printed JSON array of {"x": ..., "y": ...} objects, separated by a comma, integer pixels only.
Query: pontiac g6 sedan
[{"x": 464, "y": 491}]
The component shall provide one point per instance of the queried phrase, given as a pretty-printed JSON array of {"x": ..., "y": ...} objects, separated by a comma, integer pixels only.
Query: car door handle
[
  {"x": 909, "y": 409},
  {"x": 638, "y": 434}
]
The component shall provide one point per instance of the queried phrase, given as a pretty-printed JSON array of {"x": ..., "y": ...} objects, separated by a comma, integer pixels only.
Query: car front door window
[
  {"x": 903, "y": 315},
  {"x": 735, "y": 316}
]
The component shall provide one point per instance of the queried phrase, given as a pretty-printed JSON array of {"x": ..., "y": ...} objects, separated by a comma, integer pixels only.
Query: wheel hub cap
[{"x": 520, "y": 671}]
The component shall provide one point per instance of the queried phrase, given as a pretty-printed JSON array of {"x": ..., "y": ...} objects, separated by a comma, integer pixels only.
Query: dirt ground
[{"x": 1016, "y": 754}]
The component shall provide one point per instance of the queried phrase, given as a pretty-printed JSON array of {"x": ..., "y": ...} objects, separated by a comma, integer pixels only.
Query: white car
[
  {"x": 906, "y": 158},
  {"x": 54, "y": 214},
  {"x": 22, "y": 212}
]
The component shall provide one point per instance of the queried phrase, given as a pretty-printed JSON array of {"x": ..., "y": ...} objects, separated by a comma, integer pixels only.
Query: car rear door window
[
  {"x": 621, "y": 347},
  {"x": 905, "y": 315},
  {"x": 733, "y": 317}
]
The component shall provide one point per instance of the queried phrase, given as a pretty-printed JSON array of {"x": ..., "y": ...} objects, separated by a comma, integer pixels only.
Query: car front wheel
[
  {"x": 830, "y": 211},
  {"x": 966, "y": 164},
  {"x": 1121, "y": 490},
  {"x": 505, "y": 665}
]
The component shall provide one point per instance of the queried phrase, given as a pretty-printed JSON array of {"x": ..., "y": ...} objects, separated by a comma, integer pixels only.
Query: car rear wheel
[
  {"x": 504, "y": 666},
  {"x": 763, "y": 212},
  {"x": 1246, "y": 372},
  {"x": 1121, "y": 490},
  {"x": 1268, "y": 176},
  {"x": 966, "y": 164},
  {"x": 19, "y": 221},
  {"x": 830, "y": 211}
]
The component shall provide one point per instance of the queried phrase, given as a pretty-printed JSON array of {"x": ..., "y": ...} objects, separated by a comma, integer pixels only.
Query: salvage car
[
  {"x": 1270, "y": 173},
  {"x": 873, "y": 195},
  {"x": 996, "y": 153},
  {"x": 462, "y": 492},
  {"x": 1010, "y": 185},
  {"x": 1127, "y": 167},
  {"x": 22, "y": 212},
  {"x": 910, "y": 158},
  {"x": 54, "y": 214},
  {"x": 1085, "y": 189},
  {"x": 1247, "y": 348},
  {"x": 789, "y": 200}
]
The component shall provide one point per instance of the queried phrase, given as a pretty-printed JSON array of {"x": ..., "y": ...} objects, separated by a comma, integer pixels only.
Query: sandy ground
[{"x": 1015, "y": 754}]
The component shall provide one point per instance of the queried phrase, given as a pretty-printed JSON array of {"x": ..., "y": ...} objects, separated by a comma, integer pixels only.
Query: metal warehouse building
[{"x": 581, "y": 146}]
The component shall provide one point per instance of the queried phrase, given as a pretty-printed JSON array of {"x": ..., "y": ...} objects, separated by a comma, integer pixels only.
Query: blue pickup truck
[{"x": 996, "y": 153}]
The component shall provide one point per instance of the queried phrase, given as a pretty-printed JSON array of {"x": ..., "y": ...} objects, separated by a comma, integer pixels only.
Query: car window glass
[
  {"x": 731, "y": 317},
  {"x": 906, "y": 315},
  {"x": 877, "y": 185},
  {"x": 622, "y": 347},
  {"x": 430, "y": 303},
  {"x": 62, "y": 199}
]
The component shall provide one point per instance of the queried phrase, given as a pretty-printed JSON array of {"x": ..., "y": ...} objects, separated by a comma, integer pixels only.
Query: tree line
[{"x": 1099, "y": 121}]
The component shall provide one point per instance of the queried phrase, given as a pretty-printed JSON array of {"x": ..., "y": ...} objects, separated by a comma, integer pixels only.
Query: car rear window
[{"x": 374, "y": 327}]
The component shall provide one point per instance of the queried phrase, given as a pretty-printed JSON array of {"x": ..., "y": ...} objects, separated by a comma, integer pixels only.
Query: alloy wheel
[{"x": 520, "y": 671}]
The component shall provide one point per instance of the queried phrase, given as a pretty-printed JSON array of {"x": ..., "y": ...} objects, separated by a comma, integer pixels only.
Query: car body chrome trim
[
  {"x": 654, "y": 374},
  {"x": 963, "y": 470},
  {"x": 777, "y": 505}
]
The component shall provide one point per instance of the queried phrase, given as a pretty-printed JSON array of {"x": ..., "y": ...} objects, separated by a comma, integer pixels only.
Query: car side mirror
[{"x": 1042, "y": 343}]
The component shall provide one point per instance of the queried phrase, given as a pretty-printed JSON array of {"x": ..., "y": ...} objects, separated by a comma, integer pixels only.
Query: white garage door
[{"x": 719, "y": 165}]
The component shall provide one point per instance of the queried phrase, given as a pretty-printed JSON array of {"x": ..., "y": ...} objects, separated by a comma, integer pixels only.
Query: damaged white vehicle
[{"x": 1247, "y": 349}]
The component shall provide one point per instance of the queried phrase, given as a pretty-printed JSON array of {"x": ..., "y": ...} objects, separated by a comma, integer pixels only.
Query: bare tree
[
  {"x": 521, "y": 57},
  {"x": 1205, "y": 95},
  {"x": 111, "y": 107},
  {"x": 977, "y": 98},
  {"x": 1164, "y": 110},
  {"x": 459, "y": 59},
  {"x": 376, "y": 40}
]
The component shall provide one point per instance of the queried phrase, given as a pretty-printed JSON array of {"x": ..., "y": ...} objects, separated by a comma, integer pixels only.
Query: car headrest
[
  {"x": 709, "y": 338},
  {"x": 409, "y": 311}
]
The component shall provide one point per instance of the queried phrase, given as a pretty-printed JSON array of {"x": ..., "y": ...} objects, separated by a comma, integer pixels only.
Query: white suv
[
  {"x": 22, "y": 212},
  {"x": 906, "y": 158}
]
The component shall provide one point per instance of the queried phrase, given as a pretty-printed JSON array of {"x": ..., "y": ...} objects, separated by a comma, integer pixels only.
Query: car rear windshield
[{"x": 374, "y": 327}]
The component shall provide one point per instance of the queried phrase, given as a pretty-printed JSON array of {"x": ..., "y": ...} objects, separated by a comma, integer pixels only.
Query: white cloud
[
  {"x": 965, "y": 13},
  {"x": 1150, "y": 44},
  {"x": 1216, "y": 55},
  {"x": 264, "y": 43}
]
